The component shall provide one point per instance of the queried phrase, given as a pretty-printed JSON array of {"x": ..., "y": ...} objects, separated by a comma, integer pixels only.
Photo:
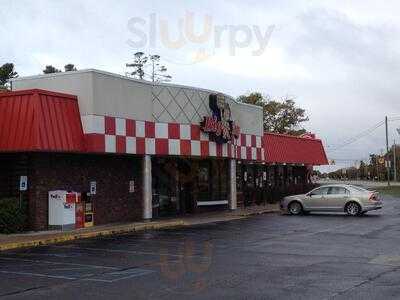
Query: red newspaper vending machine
[{"x": 79, "y": 213}]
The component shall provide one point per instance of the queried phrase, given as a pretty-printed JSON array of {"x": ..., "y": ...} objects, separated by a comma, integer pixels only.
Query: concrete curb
[
  {"x": 231, "y": 217},
  {"x": 69, "y": 236},
  {"x": 60, "y": 237},
  {"x": 256, "y": 213}
]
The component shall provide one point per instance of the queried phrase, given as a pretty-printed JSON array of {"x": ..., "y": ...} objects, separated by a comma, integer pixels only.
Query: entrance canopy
[{"x": 280, "y": 148}]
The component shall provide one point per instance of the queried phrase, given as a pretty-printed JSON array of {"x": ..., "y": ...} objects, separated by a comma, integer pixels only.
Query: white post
[
  {"x": 394, "y": 161},
  {"x": 232, "y": 190},
  {"x": 147, "y": 188}
]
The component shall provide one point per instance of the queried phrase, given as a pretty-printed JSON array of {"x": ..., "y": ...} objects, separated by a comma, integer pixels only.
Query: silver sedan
[{"x": 351, "y": 199}]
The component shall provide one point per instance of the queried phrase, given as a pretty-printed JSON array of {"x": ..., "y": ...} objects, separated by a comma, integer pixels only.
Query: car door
[
  {"x": 337, "y": 197},
  {"x": 315, "y": 200},
  {"x": 331, "y": 199}
]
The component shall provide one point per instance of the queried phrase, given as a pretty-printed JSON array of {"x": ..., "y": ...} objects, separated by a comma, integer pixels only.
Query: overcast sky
[{"x": 340, "y": 59}]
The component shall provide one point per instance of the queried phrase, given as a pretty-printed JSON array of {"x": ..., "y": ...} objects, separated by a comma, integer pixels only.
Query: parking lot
[{"x": 320, "y": 256}]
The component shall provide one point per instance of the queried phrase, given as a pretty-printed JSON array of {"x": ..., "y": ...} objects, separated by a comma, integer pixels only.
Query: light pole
[
  {"x": 395, "y": 157},
  {"x": 387, "y": 151},
  {"x": 394, "y": 162}
]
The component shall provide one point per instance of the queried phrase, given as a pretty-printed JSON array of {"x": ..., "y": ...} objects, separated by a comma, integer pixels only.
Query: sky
[{"x": 339, "y": 59}]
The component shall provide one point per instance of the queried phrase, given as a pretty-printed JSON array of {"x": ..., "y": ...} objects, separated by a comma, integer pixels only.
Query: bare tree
[{"x": 143, "y": 62}]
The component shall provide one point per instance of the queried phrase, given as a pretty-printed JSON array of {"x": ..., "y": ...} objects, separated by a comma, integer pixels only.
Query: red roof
[
  {"x": 281, "y": 148},
  {"x": 38, "y": 120}
]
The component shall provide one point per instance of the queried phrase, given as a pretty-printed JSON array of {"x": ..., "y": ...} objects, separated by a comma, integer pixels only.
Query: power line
[
  {"x": 358, "y": 136},
  {"x": 364, "y": 133}
]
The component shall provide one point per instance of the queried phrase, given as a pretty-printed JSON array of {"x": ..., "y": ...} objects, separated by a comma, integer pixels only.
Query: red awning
[
  {"x": 37, "y": 120},
  {"x": 280, "y": 148}
]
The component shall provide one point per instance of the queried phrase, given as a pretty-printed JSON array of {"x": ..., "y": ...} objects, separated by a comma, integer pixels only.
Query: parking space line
[
  {"x": 137, "y": 273},
  {"x": 38, "y": 275},
  {"x": 132, "y": 252},
  {"x": 57, "y": 263},
  {"x": 155, "y": 241}
]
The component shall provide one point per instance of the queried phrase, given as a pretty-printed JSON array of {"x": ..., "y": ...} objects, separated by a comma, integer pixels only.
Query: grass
[{"x": 389, "y": 190}]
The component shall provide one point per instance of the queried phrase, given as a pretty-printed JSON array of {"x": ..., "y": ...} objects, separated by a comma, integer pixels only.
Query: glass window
[
  {"x": 249, "y": 176},
  {"x": 320, "y": 191},
  {"x": 203, "y": 181},
  {"x": 239, "y": 179},
  {"x": 359, "y": 188},
  {"x": 271, "y": 175},
  {"x": 164, "y": 185},
  {"x": 337, "y": 190},
  {"x": 223, "y": 179},
  {"x": 280, "y": 178},
  {"x": 289, "y": 175}
]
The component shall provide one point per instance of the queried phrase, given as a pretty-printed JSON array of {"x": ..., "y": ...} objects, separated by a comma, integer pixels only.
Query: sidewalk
[{"x": 34, "y": 239}]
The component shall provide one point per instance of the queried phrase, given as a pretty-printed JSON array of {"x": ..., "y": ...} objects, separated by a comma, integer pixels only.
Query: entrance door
[
  {"x": 186, "y": 198},
  {"x": 249, "y": 187},
  {"x": 186, "y": 185}
]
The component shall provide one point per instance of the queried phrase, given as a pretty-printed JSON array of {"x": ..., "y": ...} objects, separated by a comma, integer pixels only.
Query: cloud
[{"x": 340, "y": 59}]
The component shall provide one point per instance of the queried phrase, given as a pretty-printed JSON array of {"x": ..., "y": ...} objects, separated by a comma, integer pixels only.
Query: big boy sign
[{"x": 220, "y": 126}]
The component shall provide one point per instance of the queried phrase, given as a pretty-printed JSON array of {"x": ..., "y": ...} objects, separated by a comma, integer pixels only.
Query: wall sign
[
  {"x": 93, "y": 187},
  {"x": 23, "y": 183},
  {"x": 131, "y": 186},
  {"x": 220, "y": 126}
]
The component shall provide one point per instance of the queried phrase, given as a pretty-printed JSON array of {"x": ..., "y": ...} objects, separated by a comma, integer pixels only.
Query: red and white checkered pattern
[{"x": 118, "y": 135}]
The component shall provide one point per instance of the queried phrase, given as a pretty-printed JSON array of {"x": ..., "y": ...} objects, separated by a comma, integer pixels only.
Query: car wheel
[
  {"x": 295, "y": 208},
  {"x": 353, "y": 209}
]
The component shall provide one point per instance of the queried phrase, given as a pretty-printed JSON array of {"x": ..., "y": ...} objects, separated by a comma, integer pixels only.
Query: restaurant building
[{"x": 137, "y": 150}]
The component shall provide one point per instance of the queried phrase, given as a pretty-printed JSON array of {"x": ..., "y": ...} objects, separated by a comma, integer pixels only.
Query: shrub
[{"x": 13, "y": 218}]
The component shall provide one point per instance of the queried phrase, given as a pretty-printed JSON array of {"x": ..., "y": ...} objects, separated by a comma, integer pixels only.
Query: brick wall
[
  {"x": 12, "y": 166},
  {"x": 74, "y": 172}
]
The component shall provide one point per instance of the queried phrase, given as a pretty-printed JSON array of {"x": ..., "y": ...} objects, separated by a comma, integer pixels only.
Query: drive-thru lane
[{"x": 319, "y": 256}]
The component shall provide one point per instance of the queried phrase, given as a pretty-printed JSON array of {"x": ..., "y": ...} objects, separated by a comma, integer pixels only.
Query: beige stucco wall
[
  {"x": 98, "y": 92},
  {"x": 77, "y": 83},
  {"x": 121, "y": 97},
  {"x": 104, "y": 93}
]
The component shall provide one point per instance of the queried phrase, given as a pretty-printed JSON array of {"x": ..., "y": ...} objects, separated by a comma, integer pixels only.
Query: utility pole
[
  {"x": 394, "y": 161},
  {"x": 387, "y": 151}
]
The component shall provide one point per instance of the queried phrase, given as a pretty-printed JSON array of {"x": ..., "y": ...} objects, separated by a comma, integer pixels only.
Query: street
[{"x": 272, "y": 256}]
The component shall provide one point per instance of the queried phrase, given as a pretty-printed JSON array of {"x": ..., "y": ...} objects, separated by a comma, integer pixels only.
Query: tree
[
  {"x": 254, "y": 98},
  {"x": 280, "y": 116},
  {"x": 363, "y": 170},
  {"x": 141, "y": 62},
  {"x": 70, "y": 68},
  {"x": 50, "y": 69},
  {"x": 158, "y": 70},
  {"x": 7, "y": 72}
]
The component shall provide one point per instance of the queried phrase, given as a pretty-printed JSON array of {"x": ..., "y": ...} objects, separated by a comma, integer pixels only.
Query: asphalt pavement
[{"x": 273, "y": 256}]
